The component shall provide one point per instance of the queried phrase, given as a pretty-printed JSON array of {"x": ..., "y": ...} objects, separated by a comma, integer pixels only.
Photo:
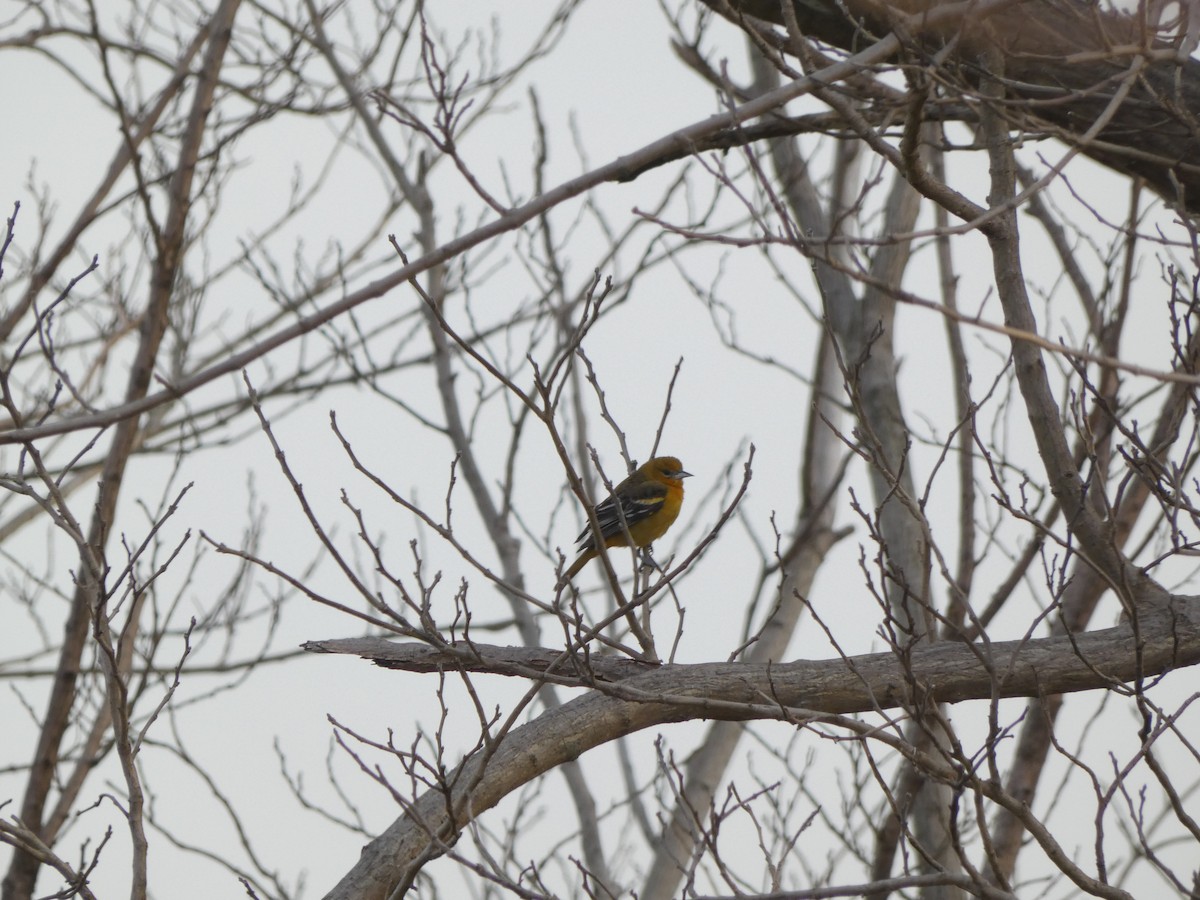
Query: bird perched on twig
[{"x": 639, "y": 510}]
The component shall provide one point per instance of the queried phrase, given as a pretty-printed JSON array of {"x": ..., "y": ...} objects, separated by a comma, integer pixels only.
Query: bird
[{"x": 639, "y": 510}]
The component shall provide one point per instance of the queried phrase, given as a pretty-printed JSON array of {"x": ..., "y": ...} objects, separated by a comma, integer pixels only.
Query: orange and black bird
[{"x": 639, "y": 510}]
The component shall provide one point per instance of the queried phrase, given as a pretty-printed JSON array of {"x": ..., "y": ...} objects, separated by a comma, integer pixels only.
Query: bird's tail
[{"x": 576, "y": 567}]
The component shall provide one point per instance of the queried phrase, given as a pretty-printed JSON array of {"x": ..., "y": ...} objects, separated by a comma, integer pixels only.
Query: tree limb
[
  {"x": 1168, "y": 637},
  {"x": 1064, "y": 60}
]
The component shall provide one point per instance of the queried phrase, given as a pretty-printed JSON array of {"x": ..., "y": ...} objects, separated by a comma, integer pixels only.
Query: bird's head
[{"x": 669, "y": 467}]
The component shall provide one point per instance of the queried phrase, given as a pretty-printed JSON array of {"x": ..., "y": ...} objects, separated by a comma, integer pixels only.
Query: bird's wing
[{"x": 635, "y": 504}]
